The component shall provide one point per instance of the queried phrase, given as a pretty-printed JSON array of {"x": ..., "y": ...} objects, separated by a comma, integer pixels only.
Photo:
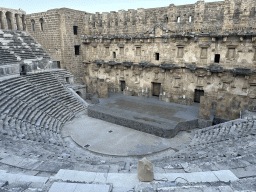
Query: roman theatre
[{"x": 100, "y": 102}]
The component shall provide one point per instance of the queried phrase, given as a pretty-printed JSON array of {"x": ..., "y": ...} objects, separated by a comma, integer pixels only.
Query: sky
[{"x": 91, "y": 6}]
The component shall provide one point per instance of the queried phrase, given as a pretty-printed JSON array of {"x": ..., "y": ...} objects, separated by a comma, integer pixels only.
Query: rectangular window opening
[
  {"x": 77, "y": 49},
  {"x": 217, "y": 58},
  {"x": 75, "y": 30},
  {"x": 114, "y": 55},
  {"x": 157, "y": 56},
  {"x": 58, "y": 64}
]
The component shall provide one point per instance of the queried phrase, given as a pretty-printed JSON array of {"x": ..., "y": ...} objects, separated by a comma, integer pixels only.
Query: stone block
[
  {"x": 145, "y": 170},
  {"x": 205, "y": 108}
]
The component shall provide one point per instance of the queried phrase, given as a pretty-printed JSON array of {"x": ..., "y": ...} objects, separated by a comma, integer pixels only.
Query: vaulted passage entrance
[
  {"x": 198, "y": 94},
  {"x": 122, "y": 85},
  {"x": 156, "y": 89}
]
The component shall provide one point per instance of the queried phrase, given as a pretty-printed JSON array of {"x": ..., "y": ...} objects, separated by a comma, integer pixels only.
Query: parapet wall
[{"x": 200, "y": 17}]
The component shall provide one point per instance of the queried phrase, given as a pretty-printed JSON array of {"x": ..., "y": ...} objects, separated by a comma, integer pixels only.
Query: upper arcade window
[
  {"x": 33, "y": 24},
  {"x": 77, "y": 49},
  {"x": 178, "y": 19},
  {"x": 190, "y": 19},
  {"x": 166, "y": 20},
  {"x": 41, "y": 21},
  {"x": 75, "y": 30}
]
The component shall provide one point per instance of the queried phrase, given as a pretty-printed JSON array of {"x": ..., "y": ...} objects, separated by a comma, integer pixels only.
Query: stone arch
[
  {"x": 18, "y": 21},
  {"x": 41, "y": 21},
  {"x": 33, "y": 25},
  {"x": 9, "y": 20}
]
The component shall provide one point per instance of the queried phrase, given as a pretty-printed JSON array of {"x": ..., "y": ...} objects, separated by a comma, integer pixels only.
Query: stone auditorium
[{"x": 85, "y": 96}]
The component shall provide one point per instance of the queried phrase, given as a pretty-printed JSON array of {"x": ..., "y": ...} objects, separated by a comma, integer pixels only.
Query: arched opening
[
  {"x": 166, "y": 20},
  {"x": 178, "y": 19},
  {"x": 67, "y": 80},
  {"x": 190, "y": 19},
  {"x": 23, "y": 23},
  {"x": 9, "y": 20},
  {"x": 79, "y": 93},
  {"x": 41, "y": 21},
  {"x": 18, "y": 22},
  {"x": 33, "y": 24},
  {"x": 23, "y": 70}
]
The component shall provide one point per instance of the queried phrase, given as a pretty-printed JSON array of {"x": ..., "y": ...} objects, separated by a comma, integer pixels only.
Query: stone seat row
[
  {"x": 29, "y": 114},
  {"x": 21, "y": 45},
  {"x": 18, "y": 129},
  {"x": 34, "y": 98},
  {"x": 227, "y": 146},
  {"x": 36, "y": 111},
  {"x": 50, "y": 85},
  {"x": 6, "y": 57}
]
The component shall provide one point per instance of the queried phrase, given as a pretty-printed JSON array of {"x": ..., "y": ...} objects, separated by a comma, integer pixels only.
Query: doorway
[
  {"x": 122, "y": 85},
  {"x": 23, "y": 70},
  {"x": 79, "y": 93},
  {"x": 156, "y": 89},
  {"x": 198, "y": 94}
]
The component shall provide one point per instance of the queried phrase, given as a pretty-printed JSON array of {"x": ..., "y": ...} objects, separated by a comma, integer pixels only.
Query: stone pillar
[
  {"x": 23, "y": 20},
  {"x": 13, "y": 22},
  {"x": 205, "y": 108},
  {"x": 18, "y": 21},
  {"x": 3, "y": 20}
]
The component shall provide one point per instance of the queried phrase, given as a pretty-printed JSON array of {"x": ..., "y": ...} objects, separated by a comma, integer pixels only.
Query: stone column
[
  {"x": 18, "y": 21},
  {"x": 4, "y": 21},
  {"x": 23, "y": 20},
  {"x": 13, "y": 22}
]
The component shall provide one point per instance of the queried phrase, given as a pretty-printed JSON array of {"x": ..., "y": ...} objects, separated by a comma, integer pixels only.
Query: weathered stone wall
[
  {"x": 199, "y": 17},
  {"x": 49, "y": 35},
  {"x": 205, "y": 47},
  {"x": 58, "y": 38}
]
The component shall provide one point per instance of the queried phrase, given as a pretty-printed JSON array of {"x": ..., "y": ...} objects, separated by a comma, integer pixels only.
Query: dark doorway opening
[
  {"x": 198, "y": 94},
  {"x": 67, "y": 80},
  {"x": 77, "y": 49},
  {"x": 58, "y": 64},
  {"x": 114, "y": 55},
  {"x": 217, "y": 58},
  {"x": 75, "y": 30},
  {"x": 122, "y": 85},
  {"x": 79, "y": 93},
  {"x": 157, "y": 56},
  {"x": 23, "y": 70},
  {"x": 156, "y": 89}
]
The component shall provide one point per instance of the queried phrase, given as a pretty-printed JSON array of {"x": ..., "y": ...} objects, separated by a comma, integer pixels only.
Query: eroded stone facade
[{"x": 177, "y": 52}]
